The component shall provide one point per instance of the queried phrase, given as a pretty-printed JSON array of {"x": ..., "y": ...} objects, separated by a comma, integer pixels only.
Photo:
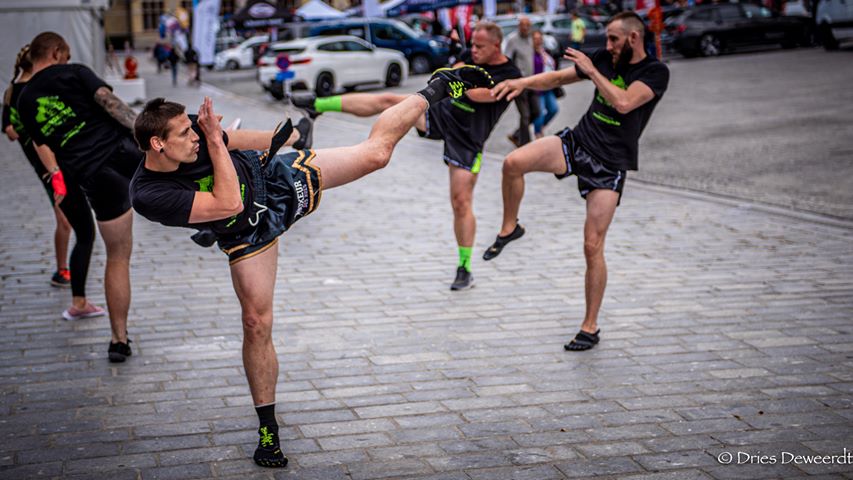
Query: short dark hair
[
  {"x": 491, "y": 28},
  {"x": 630, "y": 21},
  {"x": 45, "y": 43},
  {"x": 154, "y": 121}
]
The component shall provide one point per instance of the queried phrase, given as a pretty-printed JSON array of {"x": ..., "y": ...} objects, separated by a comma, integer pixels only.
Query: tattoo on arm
[{"x": 115, "y": 107}]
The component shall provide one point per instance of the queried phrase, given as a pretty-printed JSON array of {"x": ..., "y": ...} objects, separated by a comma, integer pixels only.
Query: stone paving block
[
  {"x": 705, "y": 426},
  {"x": 177, "y": 473},
  {"x": 314, "y": 473},
  {"x": 110, "y": 465},
  {"x": 617, "y": 466},
  {"x": 337, "y": 457},
  {"x": 676, "y": 460},
  {"x": 343, "y": 442},
  {"x": 389, "y": 469},
  {"x": 679, "y": 475},
  {"x": 544, "y": 472}
]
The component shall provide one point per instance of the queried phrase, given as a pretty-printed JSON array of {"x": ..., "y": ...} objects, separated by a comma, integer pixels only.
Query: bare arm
[
  {"x": 255, "y": 139},
  {"x": 48, "y": 159},
  {"x": 11, "y": 133},
  {"x": 115, "y": 107},
  {"x": 541, "y": 82},
  {"x": 624, "y": 101},
  {"x": 225, "y": 199}
]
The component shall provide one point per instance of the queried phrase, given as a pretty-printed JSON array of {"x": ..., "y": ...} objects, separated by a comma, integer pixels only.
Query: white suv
[
  {"x": 241, "y": 56},
  {"x": 834, "y": 22}
]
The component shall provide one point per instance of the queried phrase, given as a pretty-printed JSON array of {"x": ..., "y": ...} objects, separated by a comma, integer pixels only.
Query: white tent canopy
[
  {"x": 78, "y": 21},
  {"x": 317, "y": 10}
]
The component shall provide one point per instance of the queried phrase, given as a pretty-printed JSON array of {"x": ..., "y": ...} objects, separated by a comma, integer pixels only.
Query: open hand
[
  {"x": 581, "y": 60},
  {"x": 208, "y": 121},
  {"x": 508, "y": 88}
]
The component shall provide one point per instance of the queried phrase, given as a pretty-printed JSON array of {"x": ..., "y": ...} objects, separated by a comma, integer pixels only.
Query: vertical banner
[
  {"x": 371, "y": 8},
  {"x": 553, "y": 5},
  {"x": 205, "y": 27},
  {"x": 490, "y": 8}
]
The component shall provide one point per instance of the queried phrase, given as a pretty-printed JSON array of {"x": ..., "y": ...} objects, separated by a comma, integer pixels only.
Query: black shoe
[
  {"x": 118, "y": 352},
  {"x": 464, "y": 279},
  {"x": 61, "y": 278},
  {"x": 305, "y": 127},
  {"x": 583, "y": 341},
  {"x": 269, "y": 454},
  {"x": 306, "y": 103},
  {"x": 501, "y": 242},
  {"x": 463, "y": 78}
]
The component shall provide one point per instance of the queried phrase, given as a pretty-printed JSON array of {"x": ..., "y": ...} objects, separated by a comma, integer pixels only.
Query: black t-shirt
[
  {"x": 167, "y": 197},
  {"x": 612, "y": 137},
  {"x": 57, "y": 108},
  {"x": 11, "y": 117},
  {"x": 473, "y": 121}
]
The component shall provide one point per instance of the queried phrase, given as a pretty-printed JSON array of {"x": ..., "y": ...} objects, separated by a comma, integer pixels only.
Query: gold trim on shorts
[
  {"x": 304, "y": 165},
  {"x": 253, "y": 254}
]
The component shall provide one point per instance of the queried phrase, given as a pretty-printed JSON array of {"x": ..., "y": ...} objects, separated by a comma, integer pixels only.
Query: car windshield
[{"x": 409, "y": 31}]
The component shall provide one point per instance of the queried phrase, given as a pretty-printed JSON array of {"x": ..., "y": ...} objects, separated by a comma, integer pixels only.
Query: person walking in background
[
  {"x": 174, "y": 59},
  {"x": 578, "y": 31},
  {"x": 68, "y": 201},
  {"x": 543, "y": 62},
  {"x": 519, "y": 49},
  {"x": 191, "y": 57}
]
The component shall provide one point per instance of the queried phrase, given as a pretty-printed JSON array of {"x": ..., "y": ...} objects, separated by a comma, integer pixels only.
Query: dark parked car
[
  {"x": 711, "y": 30},
  {"x": 425, "y": 53}
]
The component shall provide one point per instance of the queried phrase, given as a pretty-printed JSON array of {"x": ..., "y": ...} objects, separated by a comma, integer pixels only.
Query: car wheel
[
  {"x": 232, "y": 65},
  {"x": 827, "y": 38},
  {"x": 710, "y": 45},
  {"x": 277, "y": 90},
  {"x": 394, "y": 75},
  {"x": 419, "y": 64},
  {"x": 325, "y": 85}
]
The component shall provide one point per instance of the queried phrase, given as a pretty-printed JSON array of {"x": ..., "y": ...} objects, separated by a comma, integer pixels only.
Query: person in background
[
  {"x": 174, "y": 59},
  {"x": 548, "y": 107},
  {"x": 69, "y": 203},
  {"x": 519, "y": 49},
  {"x": 578, "y": 31}
]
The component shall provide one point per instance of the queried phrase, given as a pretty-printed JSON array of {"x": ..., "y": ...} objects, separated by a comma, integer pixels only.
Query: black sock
[
  {"x": 266, "y": 416},
  {"x": 435, "y": 91}
]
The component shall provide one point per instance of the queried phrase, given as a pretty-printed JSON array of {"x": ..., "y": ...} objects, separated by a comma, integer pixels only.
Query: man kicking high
[
  {"x": 464, "y": 124},
  {"x": 599, "y": 151},
  {"x": 244, "y": 199}
]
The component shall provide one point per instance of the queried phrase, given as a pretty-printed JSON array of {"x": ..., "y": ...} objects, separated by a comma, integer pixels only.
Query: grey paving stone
[
  {"x": 177, "y": 473},
  {"x": 544, "y": 472},
  {"x": 618, "y": 466}
]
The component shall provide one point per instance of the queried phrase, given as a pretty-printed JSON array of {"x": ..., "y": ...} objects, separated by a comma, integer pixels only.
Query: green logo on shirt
[
  {"x": 619, "y": 82},
  {"x": 15, "y": 120},
  {"x": 205, "y": 184},
  {"x": 52, "y": 113}
]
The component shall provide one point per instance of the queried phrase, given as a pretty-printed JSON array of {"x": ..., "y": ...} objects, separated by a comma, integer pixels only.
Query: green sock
[
  {"x": 465, "y": 258},
  {"x": 328, "y": 104}
]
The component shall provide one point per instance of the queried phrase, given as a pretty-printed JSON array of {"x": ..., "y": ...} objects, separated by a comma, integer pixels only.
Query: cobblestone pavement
[{"x": 726, "y": 328}]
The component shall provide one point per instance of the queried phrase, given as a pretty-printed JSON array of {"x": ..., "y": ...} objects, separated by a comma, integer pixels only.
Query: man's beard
[{"x": 621, "y": 62}]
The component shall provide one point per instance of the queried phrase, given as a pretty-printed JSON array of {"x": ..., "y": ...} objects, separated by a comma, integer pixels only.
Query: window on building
[
  {"x": 226, "y": 7},
  {"x": 151, "y": 11}
]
